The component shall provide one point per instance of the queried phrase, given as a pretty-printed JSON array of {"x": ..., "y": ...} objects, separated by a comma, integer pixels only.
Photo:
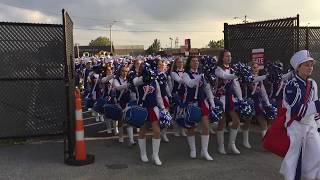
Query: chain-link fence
[{"x": 34, "y": 73}]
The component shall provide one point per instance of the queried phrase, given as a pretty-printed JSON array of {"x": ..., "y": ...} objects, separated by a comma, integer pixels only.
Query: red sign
[
  {"x": 187, "y": 44},
  {"x": 258, "y": 56}
]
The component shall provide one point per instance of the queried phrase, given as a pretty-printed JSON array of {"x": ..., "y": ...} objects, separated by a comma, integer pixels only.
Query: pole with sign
[
  {"x": 187, "y": 47},
  {"x": 258, "y": 57}
]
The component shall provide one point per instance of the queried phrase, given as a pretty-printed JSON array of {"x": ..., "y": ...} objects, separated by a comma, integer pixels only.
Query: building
[
  {"x": 193, "y": 51},
  {"x": 132, "y": 50},
  {"x": 79, "y": 51}
]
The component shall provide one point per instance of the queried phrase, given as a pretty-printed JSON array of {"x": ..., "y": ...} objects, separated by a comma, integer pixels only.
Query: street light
[
  {"x": 113, "y": 22},
  {"x": 243, "y": 20},
  {"x": 171, "y": 41}
]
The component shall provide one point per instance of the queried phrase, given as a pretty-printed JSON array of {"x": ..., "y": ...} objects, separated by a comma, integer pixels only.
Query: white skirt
[{"x": 305, "y": 137}]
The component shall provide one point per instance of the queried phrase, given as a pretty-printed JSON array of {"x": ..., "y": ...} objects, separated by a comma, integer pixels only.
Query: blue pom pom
[
  {"x": 216, "y": 113},
  {"x": 270, "y": 112},
  {"x": 274, "y": 72},
  {"x": 208, "y": 67},
  {"x": 245, "y": 107},
  {"x": 243, "y": 72},
  {"x": 165, "y": 119}
]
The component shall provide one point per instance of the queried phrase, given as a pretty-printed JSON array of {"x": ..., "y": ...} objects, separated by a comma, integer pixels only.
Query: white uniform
[{"x": 302, "y": 132}]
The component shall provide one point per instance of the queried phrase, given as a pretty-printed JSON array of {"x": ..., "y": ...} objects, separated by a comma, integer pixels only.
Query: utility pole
[
  {"x": 111, "y": 44},
  {"x": 171, "y": 41},
  {"x": 243, "y": 20}
]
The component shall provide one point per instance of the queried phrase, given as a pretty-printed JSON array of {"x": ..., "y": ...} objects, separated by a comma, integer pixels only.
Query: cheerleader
[
  {"x": 121, "y": 86},
  {"x": 149, "y": 94},
  {"x": 257, "y": 92},
  {"x": 227, "y": 86},
  {"x": 199, "y": 92},
  {"x": 86, "y": 72},
  {"x": 178, "y": 87},
  {"x": 165, "y": 92},
  {"x": 107, "y": 79}
]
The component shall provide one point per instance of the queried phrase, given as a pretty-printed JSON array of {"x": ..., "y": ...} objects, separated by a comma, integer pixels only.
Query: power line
[{"x": 144, "y": 31}]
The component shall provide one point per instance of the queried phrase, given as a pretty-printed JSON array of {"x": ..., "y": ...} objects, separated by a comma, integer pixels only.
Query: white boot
[
  {"x": 164, "y": 135},
  {"x": 155, "y": 149},
  {"x": 121, "y": 140},
  {"x": 204, "y": 147},
  {"x": 183, "y": 132},
  {"x": 101, "y": 118},
  {"x": 232, "y": 141},
  {"x": 115, "y": 126},
  {"x": 211, "y": 129},
  {"x": 176, "y": 131},
  {"x": 263, "y": 133},
  {"x": 245, "y": 142},
  {"x": 130, "y": 135},
  {"x": 108, "y": 124},
  {"x": 143, "y": 151},
  {"x": 192, "y": 146},
  {"x": 220, "y": 138},
  {"x": 97, "y": 116}
]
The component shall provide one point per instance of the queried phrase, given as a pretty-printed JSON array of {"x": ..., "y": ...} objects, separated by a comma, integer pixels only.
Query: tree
[
  {"x": 100, "y": 41},
  {"x": 216, "y": 44},
  {"x": 154, "y": 47}
]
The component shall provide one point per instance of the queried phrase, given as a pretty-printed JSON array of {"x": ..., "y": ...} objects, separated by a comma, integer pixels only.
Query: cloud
[{"x": 173, "y": 16}]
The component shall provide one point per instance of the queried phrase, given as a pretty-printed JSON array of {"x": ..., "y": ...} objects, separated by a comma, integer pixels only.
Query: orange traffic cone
[
  {"x": 81, "y": 157},
  {"x": 80, "y": 149}
]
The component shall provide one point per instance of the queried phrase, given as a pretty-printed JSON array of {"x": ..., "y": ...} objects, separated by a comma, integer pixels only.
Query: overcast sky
[{"x": 139, "y": 22}]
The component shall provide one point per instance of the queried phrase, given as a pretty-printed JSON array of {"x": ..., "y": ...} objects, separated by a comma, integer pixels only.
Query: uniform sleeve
[
  {"x": 223, "y": 75},
  {"x": 106, "y": 79},
  {"x": 259, "y": 78},
  {"x": 168, "y": 90},
  {"x": 137, "y": 81},
  {"x": 208, "y": 90},
  {"x": 295, "y": 102},
  {"x": 119, "y": 87},
  {"x": 170, "y": 84},
  {"x": 264, "y": 95},
  {"x": 176, "y": 77},
  {"x": 288, "y": 76},
  {"x": 190, "y": 82},
  {"x": 159, "y": 97},
  {"x": 237, "y": 89}
]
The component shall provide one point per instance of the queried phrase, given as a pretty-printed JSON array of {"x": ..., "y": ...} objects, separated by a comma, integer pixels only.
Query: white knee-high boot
[
  {"x": 220, "y": 138},
  {"x": 232, "y": 141},
  {"x": 108, "y": 125},
  {"x": 263, "y": 133},
  {"x": 155, "y": 149},
  {"x": 121, "y": 135},
  {"x": 130, "y": 135},
  {"x": 164, "y": 135},
  {"x": 115, "y": 126},
  {"x": 204, "y": 147},
  {"x": 143, "y": 150},
  {"x": 245, "y": 142},
  {"x": 192, "y": 146}
]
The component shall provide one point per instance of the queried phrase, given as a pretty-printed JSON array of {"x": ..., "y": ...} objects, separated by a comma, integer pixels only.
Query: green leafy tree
[
  {"x": 154, "y": 48},
  {"x": 100, "y": 41},
  {"x": 216, "y": 44}
]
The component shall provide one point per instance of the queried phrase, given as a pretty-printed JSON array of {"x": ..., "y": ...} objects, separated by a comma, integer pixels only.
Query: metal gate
[
  {"x": 277, "y": 37},
  {"x": 36, "y": 79},
  {"x": 280, "y": 38}
]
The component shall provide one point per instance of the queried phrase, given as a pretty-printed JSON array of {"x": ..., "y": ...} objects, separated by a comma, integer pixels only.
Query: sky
[{"x": 139, "y": 22}]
